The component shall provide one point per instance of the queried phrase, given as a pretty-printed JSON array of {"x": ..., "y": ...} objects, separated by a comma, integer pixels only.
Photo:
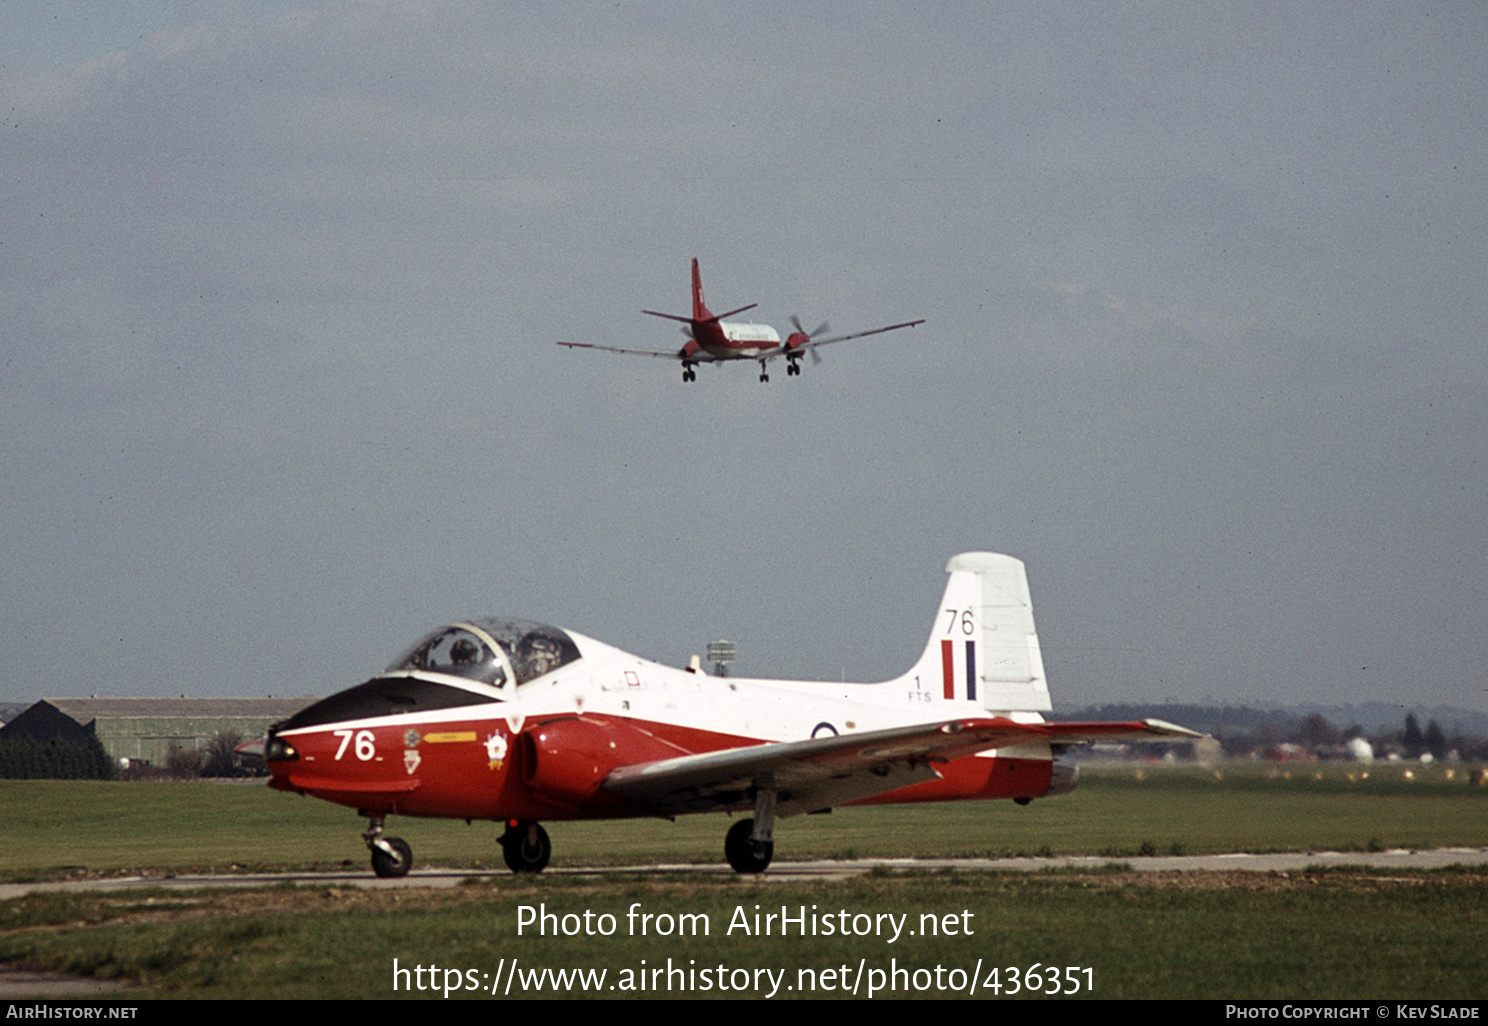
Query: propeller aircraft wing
[
  {"x": 663, "y": 354},
  {"x": 817, "y": 343}
]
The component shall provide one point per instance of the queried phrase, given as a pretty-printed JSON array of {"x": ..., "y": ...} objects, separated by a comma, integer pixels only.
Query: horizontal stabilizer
[
  {"x": 710, "y": 319},
  {"x": 670, "y": 317}
]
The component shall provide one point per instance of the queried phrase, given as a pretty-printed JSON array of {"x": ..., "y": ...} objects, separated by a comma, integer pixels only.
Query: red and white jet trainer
[
  {"x": 517, "y": 722},
  {"x": 711, "y": 339}
]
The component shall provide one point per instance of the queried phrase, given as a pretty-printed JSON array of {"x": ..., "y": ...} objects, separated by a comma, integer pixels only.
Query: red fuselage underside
[{"x": 449, "y": 770}]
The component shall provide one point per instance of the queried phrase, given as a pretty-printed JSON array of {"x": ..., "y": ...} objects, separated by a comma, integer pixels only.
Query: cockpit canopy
[
  {"x": 481, "y": 660},
  {"x": 491, "y": 651}
]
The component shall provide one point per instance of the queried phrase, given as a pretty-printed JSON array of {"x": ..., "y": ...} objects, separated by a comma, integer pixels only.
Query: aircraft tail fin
[
  {"x": 700, "y": 312},
  {"x": 984, "y": 647},
  {"x": 699, "y": 308}
]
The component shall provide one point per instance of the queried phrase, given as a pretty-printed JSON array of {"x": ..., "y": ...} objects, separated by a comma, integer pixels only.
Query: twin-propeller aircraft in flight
[
  {"x": 518, "y": 723},
  {"x": 711, "y": 339}
]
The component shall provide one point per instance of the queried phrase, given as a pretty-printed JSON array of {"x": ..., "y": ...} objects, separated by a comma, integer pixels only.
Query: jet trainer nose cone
[{"x": 278, "y": 750}]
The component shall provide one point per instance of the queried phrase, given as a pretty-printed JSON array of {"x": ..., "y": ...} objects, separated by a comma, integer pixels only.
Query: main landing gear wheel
[
  {"x": 526, "y": 847},
  {"x": 744, "y": 853},
  {"x": 396, "y": 864}
]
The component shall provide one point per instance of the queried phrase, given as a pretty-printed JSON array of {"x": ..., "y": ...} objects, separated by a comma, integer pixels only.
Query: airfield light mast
[{"x": 720, "y": 654}]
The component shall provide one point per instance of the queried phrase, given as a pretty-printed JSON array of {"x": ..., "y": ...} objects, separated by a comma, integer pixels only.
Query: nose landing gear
[{"x": 391, "y": 856}]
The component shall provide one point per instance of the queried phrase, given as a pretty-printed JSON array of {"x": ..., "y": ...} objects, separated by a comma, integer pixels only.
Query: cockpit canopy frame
[
  {"x": 479, "y": 661},
  {"x": 492, "y": 651}
]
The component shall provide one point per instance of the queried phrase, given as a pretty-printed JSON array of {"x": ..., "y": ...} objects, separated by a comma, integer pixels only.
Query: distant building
[{"x": 149, "y": 729}]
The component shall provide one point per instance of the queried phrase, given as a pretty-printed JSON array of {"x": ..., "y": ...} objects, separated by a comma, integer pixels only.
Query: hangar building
[{"x": 149, "y": 729}]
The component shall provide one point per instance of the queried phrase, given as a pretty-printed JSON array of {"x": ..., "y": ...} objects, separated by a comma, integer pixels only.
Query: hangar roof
[{"x": 85, "y": 710}]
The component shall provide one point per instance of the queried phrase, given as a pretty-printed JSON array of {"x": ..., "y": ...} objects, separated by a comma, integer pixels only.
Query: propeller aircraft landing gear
[
  {"x": 689, "y": 373},
  {"x": 525, "y": 846},
  {"x": 391, "y": 856}
]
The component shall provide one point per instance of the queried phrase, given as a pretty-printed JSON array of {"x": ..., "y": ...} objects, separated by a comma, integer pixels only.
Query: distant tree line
[
  {"x": 25, "y": 758},
  {"x": 84, "y": 758},
  {"x": 1318, "y": 735},
  {"x": 1243, "y": 732},
  {"x": 218, "y": 758}
]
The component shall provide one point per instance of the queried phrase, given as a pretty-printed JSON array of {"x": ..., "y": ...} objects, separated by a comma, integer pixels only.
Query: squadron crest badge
[{"x": 496, "y": 750}]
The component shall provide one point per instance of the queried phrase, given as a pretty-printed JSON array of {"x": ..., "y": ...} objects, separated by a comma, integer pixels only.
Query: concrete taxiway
[{"x": 784, "y": 871}]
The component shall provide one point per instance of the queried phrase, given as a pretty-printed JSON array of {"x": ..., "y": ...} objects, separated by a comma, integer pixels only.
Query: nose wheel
[
  {"x": 525, "y": 847},
  {"x": 391, "y": 856}
]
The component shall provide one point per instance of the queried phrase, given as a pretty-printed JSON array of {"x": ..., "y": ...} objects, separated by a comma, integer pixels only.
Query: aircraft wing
[
  {"x": 818, "y": 342},
  {"x": 670, "y": 354},
  {"x": 815, "y": 343},
  {"x": 823, "y": 772}
]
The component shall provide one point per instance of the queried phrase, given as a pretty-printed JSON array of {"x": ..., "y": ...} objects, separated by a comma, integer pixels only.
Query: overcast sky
[{"x": 1205, "y": 341}]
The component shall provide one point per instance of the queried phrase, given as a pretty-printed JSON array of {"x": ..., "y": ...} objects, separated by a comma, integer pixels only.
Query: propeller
[{"x": 821, "y": 329}]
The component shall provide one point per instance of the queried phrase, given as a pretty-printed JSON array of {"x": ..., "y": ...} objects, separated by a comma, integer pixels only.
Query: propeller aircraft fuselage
[{"x": 711, "y": 339}]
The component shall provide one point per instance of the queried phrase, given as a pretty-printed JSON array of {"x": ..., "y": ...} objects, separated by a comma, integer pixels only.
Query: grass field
[
  {"x": 1336, "y": 934},
  {"x": 1320, "y": 935},
  {"x": 61, "y": 828}
]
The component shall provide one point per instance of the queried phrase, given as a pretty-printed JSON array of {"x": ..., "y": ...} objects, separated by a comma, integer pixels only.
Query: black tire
[
  {"x": 745, "y": 854},
  {"x": 388, "y": 866},
  {"x": 522, "y": 853}
]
